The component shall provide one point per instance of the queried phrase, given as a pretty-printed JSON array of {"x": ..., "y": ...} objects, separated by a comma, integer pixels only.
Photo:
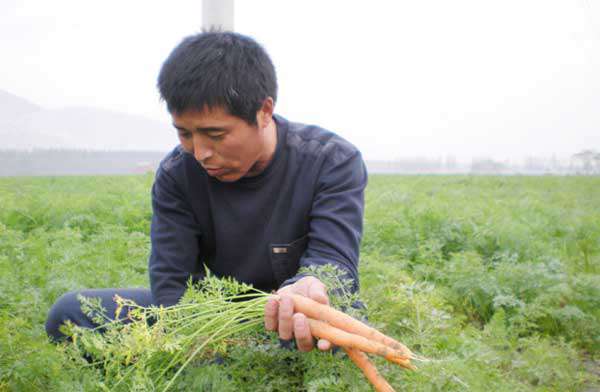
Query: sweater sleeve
[
  {"x": 336, "y": 217},
  {"x": 175, "y": 239}
]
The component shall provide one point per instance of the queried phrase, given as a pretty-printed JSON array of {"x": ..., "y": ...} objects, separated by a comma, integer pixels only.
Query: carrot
[
  {"x": 345, "y": 339},
  {"x": 312, "y": 309},
  {"x": 361, "y": 360}
]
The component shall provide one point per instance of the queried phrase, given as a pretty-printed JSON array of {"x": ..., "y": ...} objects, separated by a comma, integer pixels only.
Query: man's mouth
[{"x": 215, "y": 172}]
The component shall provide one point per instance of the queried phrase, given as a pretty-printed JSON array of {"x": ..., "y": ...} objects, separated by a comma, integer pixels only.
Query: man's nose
[{"x": 202, "y": 149}]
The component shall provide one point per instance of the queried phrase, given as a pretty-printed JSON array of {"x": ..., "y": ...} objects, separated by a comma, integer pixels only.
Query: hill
[{"x": 27, "y": 126}]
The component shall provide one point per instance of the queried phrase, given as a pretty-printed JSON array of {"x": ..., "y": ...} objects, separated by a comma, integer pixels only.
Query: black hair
[{"x": 218, "y": 68}]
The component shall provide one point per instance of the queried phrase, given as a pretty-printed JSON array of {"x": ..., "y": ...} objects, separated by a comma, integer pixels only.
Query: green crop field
[{"x": 496, "y": 280}]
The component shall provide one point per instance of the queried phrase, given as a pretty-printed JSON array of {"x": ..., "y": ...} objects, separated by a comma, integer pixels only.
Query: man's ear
[{"x": 264, "y": 116}]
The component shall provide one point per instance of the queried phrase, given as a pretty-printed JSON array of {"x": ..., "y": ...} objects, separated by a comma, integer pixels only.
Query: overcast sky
[{"x": 505, "y": 79}]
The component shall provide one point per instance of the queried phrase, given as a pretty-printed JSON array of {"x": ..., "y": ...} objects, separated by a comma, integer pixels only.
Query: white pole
[{"x": 217, "y": 14}]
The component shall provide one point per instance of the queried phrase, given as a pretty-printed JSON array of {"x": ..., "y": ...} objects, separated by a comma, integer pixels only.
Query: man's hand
[{"x": 279, "y": 315}]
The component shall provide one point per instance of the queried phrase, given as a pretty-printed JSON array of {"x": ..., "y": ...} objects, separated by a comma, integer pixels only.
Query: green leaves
[{"x": 499, "y": 286}]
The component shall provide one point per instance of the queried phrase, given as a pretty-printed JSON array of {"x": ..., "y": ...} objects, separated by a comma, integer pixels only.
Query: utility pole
[{"x": 217, "y": 14}]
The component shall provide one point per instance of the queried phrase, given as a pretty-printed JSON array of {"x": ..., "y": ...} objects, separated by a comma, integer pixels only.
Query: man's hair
[{"x": 218, "y": 69}]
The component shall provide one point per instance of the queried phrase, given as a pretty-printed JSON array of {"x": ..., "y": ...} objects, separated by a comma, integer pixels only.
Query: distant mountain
[
  {"x": 27, "y": 126},
  {"x": 12, "y": 106}
]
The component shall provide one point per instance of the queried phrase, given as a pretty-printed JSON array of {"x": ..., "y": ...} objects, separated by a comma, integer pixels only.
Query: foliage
[
  {"x": 149, "y": 347},
  {"x": 495, "y": 279}
]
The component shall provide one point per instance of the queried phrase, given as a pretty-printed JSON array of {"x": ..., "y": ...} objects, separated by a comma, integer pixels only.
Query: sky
[{"x": 501, "y": 79}]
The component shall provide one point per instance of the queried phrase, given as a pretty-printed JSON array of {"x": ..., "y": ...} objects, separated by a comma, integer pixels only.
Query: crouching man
[{"x": 247, "y": 193}]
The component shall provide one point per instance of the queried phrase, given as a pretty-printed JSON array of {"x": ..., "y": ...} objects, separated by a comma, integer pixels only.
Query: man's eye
[
  {"x": 185, "y": 135},
  {"x": 216, "y": 137}
]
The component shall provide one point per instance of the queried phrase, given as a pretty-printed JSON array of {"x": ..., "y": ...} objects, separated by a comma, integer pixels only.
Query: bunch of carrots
[
  {"x": 356, "y": 338},
  {"x": 159, "y": 351}
]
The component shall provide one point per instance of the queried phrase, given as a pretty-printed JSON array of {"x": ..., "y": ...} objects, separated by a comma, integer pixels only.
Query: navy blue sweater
[{"x": 305, "y": 208}]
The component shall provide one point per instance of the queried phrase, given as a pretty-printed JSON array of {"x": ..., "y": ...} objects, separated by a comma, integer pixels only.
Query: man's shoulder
[
  {"x": 316, "y": 142},
  {"x": 173, "y": 161}
]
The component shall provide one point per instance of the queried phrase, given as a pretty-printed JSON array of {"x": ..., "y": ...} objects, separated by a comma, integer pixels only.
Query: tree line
[{"x": 85, "y": 162}]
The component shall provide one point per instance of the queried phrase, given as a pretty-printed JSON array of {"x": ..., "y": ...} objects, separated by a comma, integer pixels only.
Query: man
[{"x": 246, "y": 193}]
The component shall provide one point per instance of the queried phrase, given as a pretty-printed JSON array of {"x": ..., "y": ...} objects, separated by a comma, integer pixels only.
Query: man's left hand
[{"x": 280, "y": 316}]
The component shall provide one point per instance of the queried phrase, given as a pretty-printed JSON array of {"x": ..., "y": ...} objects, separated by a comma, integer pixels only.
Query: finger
[
  {"x": 285, "y": 290},
  {"x": 286, "y": 310},
  {"x": 271, "y": 311},
  {"x": 318, "y": 291},
  {"x": 304, "y": 339},
  {"x": 324, "y": 345}
]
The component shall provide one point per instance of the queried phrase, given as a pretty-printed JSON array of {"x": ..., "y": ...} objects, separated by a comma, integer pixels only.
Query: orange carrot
[
  {"x": 361, "y": 360},
  {"x": 345, "y": 339},
  {"x": 341, "y": 320}
]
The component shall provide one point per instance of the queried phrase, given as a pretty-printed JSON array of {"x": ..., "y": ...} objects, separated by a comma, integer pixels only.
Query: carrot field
[{"x": 496, "y": 280}]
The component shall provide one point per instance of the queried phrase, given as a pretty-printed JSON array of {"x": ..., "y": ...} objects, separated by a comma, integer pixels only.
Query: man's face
[{"x": 226, "y": 146}]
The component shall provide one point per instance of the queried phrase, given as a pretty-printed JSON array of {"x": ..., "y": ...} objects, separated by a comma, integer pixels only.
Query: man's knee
[{"x": 65, "y": 308}]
